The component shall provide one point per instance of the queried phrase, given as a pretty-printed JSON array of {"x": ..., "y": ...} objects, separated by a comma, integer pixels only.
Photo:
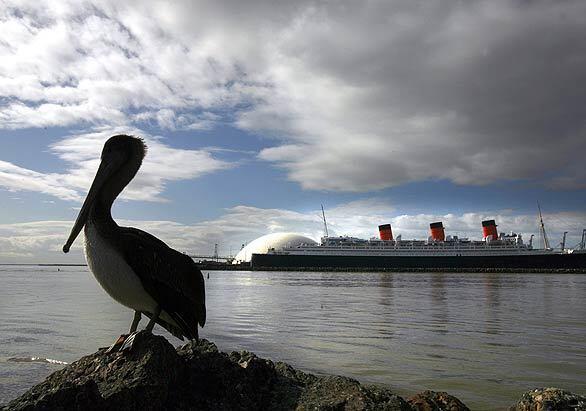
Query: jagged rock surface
[
  {"x": 153, "y": 375},
  {"x": 436, "y": 401},
  {"x": 550, "y": 399}
]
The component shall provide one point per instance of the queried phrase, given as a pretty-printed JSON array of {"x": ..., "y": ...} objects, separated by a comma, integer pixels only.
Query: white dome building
[{"x": 276, "y": 240}]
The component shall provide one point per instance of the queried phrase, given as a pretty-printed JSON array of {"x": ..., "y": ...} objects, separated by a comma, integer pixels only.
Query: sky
[{"x": 256, "y": 113}]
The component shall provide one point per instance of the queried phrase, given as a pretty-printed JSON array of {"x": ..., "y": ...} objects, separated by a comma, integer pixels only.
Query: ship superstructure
[
  {"x": 495, "y": 250},
  {"x": 436, "y": 244}
]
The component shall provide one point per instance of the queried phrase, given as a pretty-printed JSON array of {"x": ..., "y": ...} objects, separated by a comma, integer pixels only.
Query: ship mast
[
  {"x": 564, "y": 241},
  {"x": 325, "y": 222},
  {"x": 542, "y": 227}
]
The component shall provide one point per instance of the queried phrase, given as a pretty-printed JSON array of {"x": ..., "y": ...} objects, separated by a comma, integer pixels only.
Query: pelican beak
[{"x": 104, "y": 172}]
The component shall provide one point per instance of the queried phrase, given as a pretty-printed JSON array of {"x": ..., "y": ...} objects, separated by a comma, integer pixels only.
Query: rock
[
  {"x": 436, "y": 401},
  {"x": 153, "y": 375},
  {"x": 143, "y": 378},
  {"x": 550, "y": 399}
]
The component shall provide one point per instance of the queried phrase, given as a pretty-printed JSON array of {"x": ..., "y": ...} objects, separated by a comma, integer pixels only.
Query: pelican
[{"x": 134, "y": 267}]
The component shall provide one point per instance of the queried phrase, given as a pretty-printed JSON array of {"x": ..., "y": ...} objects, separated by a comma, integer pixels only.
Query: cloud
[
  {"x": 82, "y": 154},
  {"x": 32, "y": 242},
  {"x": 373, "y": 97},
  {"x": 42, "y": 241},
  {"x": 14, "y": 178},
  {"x": 168, "y": 119},
  {"x": 357, "y": 97},
  {"x": 162, "y": 163},
  {"x": 105, "y": 63}
]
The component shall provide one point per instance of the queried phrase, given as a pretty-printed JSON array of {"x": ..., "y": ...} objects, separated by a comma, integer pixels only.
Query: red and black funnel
[
  {"x": 489, "y": 228},
  {"x": 437, "y": 231},
  {"x": 385, "y": 232}
]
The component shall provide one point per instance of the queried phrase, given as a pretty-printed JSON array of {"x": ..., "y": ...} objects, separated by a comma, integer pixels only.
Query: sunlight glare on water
[{"x": 485, "y": 338}]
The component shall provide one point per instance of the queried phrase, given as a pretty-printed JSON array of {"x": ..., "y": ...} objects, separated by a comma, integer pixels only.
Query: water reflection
[
  {"x": 547, "y": 295},
  {"x": 492, "y": 287},
  {"x": 385, "y": 287},
  {"x": 439, "y": 311}
]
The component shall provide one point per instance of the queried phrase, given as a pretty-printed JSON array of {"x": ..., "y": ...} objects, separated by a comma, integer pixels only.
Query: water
[{"x": 485, "y": 338}]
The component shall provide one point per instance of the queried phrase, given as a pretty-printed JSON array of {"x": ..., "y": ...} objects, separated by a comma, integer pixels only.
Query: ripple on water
[
  {"x": 18, "y": 340},
  {"x": 35, "y": 360},
  {"x": 31, "y": 330}
]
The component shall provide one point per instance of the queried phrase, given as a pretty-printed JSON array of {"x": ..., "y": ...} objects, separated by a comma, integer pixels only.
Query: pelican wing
[{"x": 170, "y": 277}]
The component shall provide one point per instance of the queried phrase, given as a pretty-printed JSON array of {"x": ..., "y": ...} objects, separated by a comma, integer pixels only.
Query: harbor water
[{"x": 485, "y": 338}]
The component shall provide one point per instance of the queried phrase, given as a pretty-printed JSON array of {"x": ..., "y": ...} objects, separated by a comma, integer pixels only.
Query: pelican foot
[
  {"x": 118, "y": 343},
  {"x": 128, "y": 342}
]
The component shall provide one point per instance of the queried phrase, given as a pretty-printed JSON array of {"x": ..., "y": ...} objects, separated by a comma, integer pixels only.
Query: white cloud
[
  {"x": 32, "y": 242},
  {"x": 42, "y": 241},
  {"x": 14, "y": 178},
  {"x": 82, "y": 154},
  {"x": 162, "y": 163},
  {"x": 170, "y": 120},
  {"x": 93, "y": 62},
  {"x": 359, "y": 96}
]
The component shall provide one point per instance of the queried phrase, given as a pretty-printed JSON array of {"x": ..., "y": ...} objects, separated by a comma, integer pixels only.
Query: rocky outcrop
[
  {"x": 154, "y": 376},
  {"x": 435, "y": 401},
  {"x": 550, "y": 399}
]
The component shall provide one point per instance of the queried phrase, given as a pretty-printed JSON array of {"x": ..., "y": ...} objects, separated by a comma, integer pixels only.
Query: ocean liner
[{"x": 438, "y": 251}]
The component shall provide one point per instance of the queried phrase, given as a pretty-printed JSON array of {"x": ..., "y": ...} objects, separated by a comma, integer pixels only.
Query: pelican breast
[{"x": 113, "y": 272}]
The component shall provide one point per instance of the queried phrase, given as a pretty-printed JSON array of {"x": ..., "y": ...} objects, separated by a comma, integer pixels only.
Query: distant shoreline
[
  {"x": 246, "y": 267},
  {"x": 46, "y": 264}
]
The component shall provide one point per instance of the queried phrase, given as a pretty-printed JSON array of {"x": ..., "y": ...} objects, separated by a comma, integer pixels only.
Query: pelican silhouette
[{"x": 134, "y": 267}]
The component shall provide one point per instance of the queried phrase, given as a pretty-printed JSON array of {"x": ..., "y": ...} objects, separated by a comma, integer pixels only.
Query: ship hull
[{"x": 539, "y": 262}]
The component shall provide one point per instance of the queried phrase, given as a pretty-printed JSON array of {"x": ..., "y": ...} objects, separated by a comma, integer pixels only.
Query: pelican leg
[
  {"x": 135, "y": 321},
  {"x": 154, "y": 319}
]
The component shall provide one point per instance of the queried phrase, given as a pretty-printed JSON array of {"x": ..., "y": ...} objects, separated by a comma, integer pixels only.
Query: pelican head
[{"x": 121, "y": 158}]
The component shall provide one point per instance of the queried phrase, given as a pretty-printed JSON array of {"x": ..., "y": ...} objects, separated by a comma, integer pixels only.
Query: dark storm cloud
[{"x": 470, "y": 91}]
